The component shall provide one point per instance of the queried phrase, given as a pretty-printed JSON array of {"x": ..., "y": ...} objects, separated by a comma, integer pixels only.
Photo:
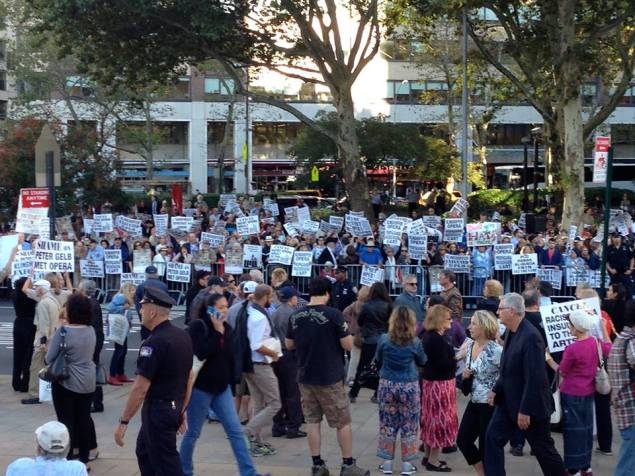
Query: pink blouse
[{"x": 578, "y": 366}]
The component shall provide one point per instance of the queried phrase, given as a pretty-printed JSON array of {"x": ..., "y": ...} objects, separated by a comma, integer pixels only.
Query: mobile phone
[{"x": 214, "y": 313}]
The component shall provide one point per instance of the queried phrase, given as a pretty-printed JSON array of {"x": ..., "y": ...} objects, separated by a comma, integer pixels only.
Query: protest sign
[
  {"x": 291, "y": 230},
  {"x": 252, "y": 256},
  {"x": 503, "y": 256},
  {"x": 141, "y": 259},
  {"x": 54, "y": 256},
  {"x": 554, "y": 320},
  {"x": 304, "y": 214},
  {"x": 524, "y": 264},
  {"x": 358, "y": 226},
  {"x": 459, "y": 207},
  {"x": 273, "y": 208},
  {"x": 234, "y": 260},
  {"x": 281, "y": 254},
  {"x": 161, "y": 224},
  {"x": 291, "y": 215},
  {"x": 325, "y": 227},
  {"x": 357, "y": 214},
  {"x": 417, "y": 246},
  {"x": 189, "y": 212},
  {"x": 89, "y": 224},
  {"x": 453, "y": 229},
  {"x": 134, "y": 278},
  {"x": 45, "y": 228},
  {"x": 178, "y": 272},
  {"x": 91, "y": 269},
  {"x": 416, "y": 228},
  {"x": 393, "y": 231},
  {"x": 248, "y": 225},
  {"x": 65, "y": 225},
  {"x": 371, "y": 275},
  {"x": 552, "y": 276},
  {"x": 129, "y": 225},
  {"x": 310, "y": 227},
  {"x": 214, "y": 240},
  {"x": 22, "y": 264},
  {"x": 103, "y": 223},
  {"x": 481, "y": 234},
  {"x": 433, "y": 276},
  {"x": 336, "y": 222},
  {"x": 522, "y": 221},
  {"x": 432, "y": 221},
  {"x": 225, "y": 198},
  {"x": 8, "y": 244},
  {"x": 28, "y": 220},
  {"x": 182, "y": 223},
  {"x": 113, "y": 264},
  {"x": 302, "y": 264},
  {"x": 457, "y": 263}
]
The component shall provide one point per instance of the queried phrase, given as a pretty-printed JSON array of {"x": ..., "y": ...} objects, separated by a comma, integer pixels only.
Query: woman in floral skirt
[
  {"x": 398, "y": 354},
  {"x": 439, "y": 420}
]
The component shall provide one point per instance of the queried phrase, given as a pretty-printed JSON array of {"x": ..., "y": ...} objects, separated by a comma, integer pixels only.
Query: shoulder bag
[
  {"x": 602, "y": 384},
  {"x": 57, "y": 370},
  {"x": 466, "y": 383}
]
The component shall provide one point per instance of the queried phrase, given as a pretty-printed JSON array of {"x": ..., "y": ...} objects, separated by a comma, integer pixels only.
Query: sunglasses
[{"x": 411, "y": 284}]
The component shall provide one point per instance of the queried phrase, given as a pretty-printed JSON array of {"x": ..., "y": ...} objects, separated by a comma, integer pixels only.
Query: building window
[
  {"x": 3, "y": 110},
  {"x": 216, "y": 86},
  {"x": 629, "y": 97},
  {"x": 79, "y": 86},
  {"x": 3, "y": 50},
  {"x": 589, "y": 93},
  {"x": 3, "y": 80}
]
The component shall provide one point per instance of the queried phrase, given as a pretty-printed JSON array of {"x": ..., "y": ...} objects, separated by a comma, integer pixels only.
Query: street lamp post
[
  {"x": 525, "y": 140},
  {"x": 535, "y": 132}
]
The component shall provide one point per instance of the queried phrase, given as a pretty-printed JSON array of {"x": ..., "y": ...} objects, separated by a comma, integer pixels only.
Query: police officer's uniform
[
  {"x": 342, "y": 292},
  {"x": 619, "y": 258},
  {"x": 165, "y": 358}
]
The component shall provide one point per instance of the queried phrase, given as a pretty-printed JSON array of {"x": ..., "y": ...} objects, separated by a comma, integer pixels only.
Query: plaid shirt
[{"x": 621, "y": 369}]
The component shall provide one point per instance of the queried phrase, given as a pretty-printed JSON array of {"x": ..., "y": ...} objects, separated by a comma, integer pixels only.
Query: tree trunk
[
  {"x": 572, "y": 176},
  {"x": 353, "y": 170},
  {"x": 221, "y": 156}
]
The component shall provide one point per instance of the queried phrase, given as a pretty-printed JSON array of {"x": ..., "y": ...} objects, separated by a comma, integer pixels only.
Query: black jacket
[
  {"x": 97, "y": 321},
  {"x": 241, "y": 346},
  {"x": 522, "y": 384},
  {"x": 489, "y": 304},
  {"x": 373, "y": 318},
  {"x": 216, "y": 350}
]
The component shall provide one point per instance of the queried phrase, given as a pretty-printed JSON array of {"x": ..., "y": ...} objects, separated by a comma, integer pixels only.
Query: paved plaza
[{"x": 213, "y": 454}]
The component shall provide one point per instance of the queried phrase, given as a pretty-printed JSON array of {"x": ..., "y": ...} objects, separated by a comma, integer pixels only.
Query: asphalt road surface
[{"x": 7, "y": 316}]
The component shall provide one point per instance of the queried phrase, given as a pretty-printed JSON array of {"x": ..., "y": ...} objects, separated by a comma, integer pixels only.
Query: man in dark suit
[{"x": 521, "y": 394}]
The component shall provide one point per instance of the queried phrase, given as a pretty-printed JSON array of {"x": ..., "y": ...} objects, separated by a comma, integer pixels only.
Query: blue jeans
[
  {"x": 626, "y": 462},
  {"x": 577, "y": 431},
  {"x": 223, "y": 406},
  {"x": 118, "y": 361}
]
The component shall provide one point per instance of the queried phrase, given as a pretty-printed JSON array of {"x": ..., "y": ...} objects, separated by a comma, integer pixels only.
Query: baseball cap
[
  {"x": 53, "y": 437},
  {"x": 216, "y": 281},
  {"x": 370, "y": 242},
  {"x": 286, "y": 293},
  {"x": 43, "y": 283},
  {"x": 249, "y": 287},
  {"x": 341, "y": 269},
  {"x": 152, "y": 270}
]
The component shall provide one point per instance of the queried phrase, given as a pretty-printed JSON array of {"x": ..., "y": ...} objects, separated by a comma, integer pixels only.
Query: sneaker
[
  {"x": 114, "y": 381},
  {"x": 30, "y": 401},
  {"x": 123, "y": 378},
  {"x": 353, "y": 470},
  {"x": 603, "y": 452},
  {"x": 262, "y": 449},
  {"x": 291, "y": 435},
  {"x": 408, "y": 468},
  {"x": 516, "y": 450},
  {"x": 321, "y": 470},
  {"x": 386, "y": 467}
]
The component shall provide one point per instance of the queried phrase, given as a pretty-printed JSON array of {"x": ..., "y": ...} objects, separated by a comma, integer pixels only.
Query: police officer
[
  {"x": 619, "y": 261},
  {"x": 343, "y": 292},
  {"x": 162, "y": 384}
]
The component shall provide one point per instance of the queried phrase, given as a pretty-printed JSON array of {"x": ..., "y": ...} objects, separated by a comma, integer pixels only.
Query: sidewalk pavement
[{"x": 213, "y": 454}]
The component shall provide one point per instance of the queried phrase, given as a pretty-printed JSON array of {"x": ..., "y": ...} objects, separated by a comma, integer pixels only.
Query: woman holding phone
[{"x": 211, "y": 342}]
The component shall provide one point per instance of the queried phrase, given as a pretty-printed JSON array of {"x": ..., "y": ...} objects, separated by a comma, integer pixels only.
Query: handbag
[
  {"x": 556, "y": 415},
  {"x": 602, "y": 384},
  {"x": 369, "y": 376},
  {"x": 57, "y": 370},
  {"x": 466, "y": 383}
]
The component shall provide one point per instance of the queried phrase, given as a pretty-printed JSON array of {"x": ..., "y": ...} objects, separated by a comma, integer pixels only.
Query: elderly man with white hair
[
  {"x": 521, "y": 395},
  {"x": 53, "y": 441}
]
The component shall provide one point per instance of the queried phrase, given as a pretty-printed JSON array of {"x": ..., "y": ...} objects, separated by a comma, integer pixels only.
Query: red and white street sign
[
  {"x": 601, "y": 158},
  {"x": 34, "y": 197}
]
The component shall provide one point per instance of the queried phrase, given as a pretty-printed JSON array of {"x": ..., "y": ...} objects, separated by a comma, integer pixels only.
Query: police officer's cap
[{"x": 154, "y": 295}]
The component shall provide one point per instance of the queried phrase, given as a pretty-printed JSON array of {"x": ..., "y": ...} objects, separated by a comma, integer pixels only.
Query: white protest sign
[
  {"x": 459, "y": 207},
  {"x": 550, "y": 275},
  {"x": 358, "y": 226},
  {"x": 182, "y": 223},
  {"x": 54, "y": 256},
  {"x": 371, "y": 275},
  {"x": 252, "y": 254},
  {"x": 325, "y": 227},
  {"x": 189, "y": 212},
  {"x": 417, "y": 246},
  {"x": 357, "y": 214},
  {"x": 102, "y": 223},
  {"x": 89, "y": 224},
  {"x": 291, "y": 230},
  {"x": 302, "y": 264},
  {"x": 178, "y": 272},
  {"x": 129, "y": 225},
  {"x": 416, "y": 228},
  {"x": 214, "y": 240},
  {"x": 291, "y": 215},
  {"x": 310, "y": 227},
  {"x": 45, "y": 228},
  {"x": 525, "y": 264},
  {"x": 272, "y": 207},
  {"x": 28, "y": 220},
  {"x": 432, "y": 221},
  {"x": 453, "y": 230},
  {"x": 457, "y": 263},
  {"x": 281, "y": 254},
  {"x": 503, "y": 256},
  {"x": 226, "y": 198},
  {"x": 161, "y": 224},
  {"x": 433, "y": 276},
  {"x": 393, "y": 232},
  {"x": 336, "y": 222},
  {"x": 248, "y": 225},
  {"x": 234, "y": 260},
  {"x": 113, "y": 264},
  {"x": 522, "y": 221},
  {"x": 141, "y": 259},
  {"x": 65, "y": 225},
  {"x": 554, "y": 320},
  {"x": 481, "y": 234},
  {"x": 134, "y": 278},
  {"x": 304, "y": 214},
  {"x": 22, "y": 264},
  {"x": 91, "y": 269},
  {"x": 8, "y": 243}
]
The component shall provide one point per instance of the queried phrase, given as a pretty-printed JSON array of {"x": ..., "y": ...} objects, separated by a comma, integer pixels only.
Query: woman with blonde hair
[
  {"x": 480, "y": 374},
  {"x": 399, "y": 352},
  {"x": 492, "y": 291},
  {"x": 439, "y": 420},
  {"x": 121, "y": 303},
  {"x": 279, "y": 277}
]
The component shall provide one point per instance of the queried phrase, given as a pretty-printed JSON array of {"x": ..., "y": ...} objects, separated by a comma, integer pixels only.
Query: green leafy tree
[
  {"x": 299, "y": 39},
  {"x": 547, "y": 49}
]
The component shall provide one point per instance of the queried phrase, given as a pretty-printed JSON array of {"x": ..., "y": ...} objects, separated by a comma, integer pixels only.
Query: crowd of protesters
[{"x": 275, "y": 351}]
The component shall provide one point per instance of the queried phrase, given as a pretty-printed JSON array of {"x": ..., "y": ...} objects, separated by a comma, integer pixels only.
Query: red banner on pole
[{"x": 177, "y": 199}]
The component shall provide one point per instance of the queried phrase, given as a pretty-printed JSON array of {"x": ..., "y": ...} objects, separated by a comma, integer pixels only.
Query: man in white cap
[
  {"x": 46, "y": 321},
  {"x": 52, "y": 440}
]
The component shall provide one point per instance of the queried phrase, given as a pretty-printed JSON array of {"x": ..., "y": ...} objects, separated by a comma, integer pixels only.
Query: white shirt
[
  {"x": 258, "y": 329},
  {"x": 41, "y": 466}
]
